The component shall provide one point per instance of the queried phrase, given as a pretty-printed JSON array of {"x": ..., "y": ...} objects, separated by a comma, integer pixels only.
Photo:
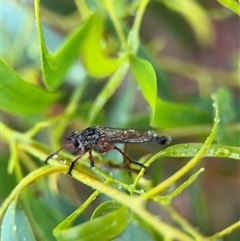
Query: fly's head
[{"x": 76, "y": 140}]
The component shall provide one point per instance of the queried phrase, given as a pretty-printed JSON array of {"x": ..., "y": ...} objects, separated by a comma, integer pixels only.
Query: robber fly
[{"x": 103, "y": 139}]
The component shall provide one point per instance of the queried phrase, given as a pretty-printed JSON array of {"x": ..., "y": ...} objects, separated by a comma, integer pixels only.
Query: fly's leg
[
  {"x": 91, "y": 160},
  {"x": 122, "y": 167},
  {"x": 126, "y": 157},
  {"x": 56, "y": 152},
  {"x": 125, "y": 161},
  {"x": 73, "y": 163}
]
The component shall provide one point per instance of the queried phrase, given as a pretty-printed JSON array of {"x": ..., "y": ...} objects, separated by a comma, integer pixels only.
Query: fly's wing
[{"x": 115, "y": 135}]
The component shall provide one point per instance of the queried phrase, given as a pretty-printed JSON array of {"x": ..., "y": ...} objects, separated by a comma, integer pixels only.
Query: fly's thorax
[{"x": 80, "y": 143}]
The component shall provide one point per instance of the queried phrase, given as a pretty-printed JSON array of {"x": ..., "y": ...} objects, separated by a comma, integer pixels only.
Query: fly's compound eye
[
  {"x": 74, "y": 141},
  {"x": 73, "y": 138}
]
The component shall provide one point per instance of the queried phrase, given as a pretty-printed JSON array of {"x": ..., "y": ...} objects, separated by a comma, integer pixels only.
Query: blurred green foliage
[{"x": 72, "y": 64}]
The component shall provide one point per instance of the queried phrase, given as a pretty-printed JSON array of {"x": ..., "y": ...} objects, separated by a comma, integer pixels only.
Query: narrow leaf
[
  {"x": 146, "y": 78},
  {"x": 55, "y": 65},
  {"x": 191, "y": 149}
]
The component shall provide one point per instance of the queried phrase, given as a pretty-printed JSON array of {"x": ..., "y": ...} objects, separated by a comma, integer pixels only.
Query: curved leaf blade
[
  {"x": 102, "y": 228},
  {"x": 146, "y": 78},
  {"x": 93, "y": 48},
  {"x": 106, "y": 207},
  {"x": 164, "y": 114},
  {"x": 15, "y": 225},
  {"x": 232, "y": 5},
  {"x": 55, "y": 66},
  {"x": 20, "y": 97}
]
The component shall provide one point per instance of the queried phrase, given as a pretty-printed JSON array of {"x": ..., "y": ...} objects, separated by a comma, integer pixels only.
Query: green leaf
[
  {"x": 191, "y": 149},
  {"x": 170, "y": 114},
  {"x": 104, "y": 208},
  {"x": 109, "y": 220},
  {"x": 163, "y": 84},
  {"x": 145, "y": 76},
  {"x": 226, "y": 110},
  {"x": 15, "y": 225},
  {"x": 232, "y": 5},
  {"x": 95, "y": 56},
  {"x": 55, "y": 65},
  {"x": 11, "y": 179},
  {"x": 49, "y": 214},
  {"x": 226, "y": 115},
  {"x": 20, "y": 97},
  {"x": 164, "y": 114}
]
